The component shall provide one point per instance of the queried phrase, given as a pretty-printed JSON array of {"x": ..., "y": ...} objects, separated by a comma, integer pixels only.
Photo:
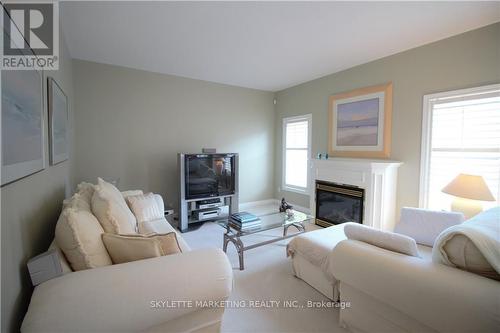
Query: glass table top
[{"x": 268, "y": 221}]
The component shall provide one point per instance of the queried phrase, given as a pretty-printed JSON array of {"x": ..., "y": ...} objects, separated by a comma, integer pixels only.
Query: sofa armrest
[
  {"x": 128, "y": 297},
  {"x": 441, "y": 297}
]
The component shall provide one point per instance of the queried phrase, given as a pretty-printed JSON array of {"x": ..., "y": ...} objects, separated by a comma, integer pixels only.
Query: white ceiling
[{"x": 268, "y": 46}]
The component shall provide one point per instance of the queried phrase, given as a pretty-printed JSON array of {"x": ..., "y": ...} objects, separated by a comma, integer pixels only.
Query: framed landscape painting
[
  {"x": 58, "y": 122},
  {"x": 22, "y": 135},
  {"x": 360, "y": 123}
]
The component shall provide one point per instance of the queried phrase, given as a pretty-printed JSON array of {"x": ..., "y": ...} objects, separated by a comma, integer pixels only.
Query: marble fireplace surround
[{"x": 377, "y": 177}]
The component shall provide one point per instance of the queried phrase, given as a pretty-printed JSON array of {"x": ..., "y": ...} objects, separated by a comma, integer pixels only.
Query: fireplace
[{"x": 336, "y": 204}]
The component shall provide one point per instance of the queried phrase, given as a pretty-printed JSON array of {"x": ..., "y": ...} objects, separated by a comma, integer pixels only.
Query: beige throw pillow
[
  {"x": 128, "y": 193},
  {"x": 144, "y": 207},
  {"x": 169, "y": 243},
  {"x": 126, "y": 248},
  {"x": 78, "y": 235},
  {"x": 110, "y": 208},
  {"x": 464, "y": 254}
]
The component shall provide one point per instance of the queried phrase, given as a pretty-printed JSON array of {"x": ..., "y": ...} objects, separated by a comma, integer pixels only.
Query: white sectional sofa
[
  {"x": 392, "y": 292},
  {"x": 162, "y": 294}
]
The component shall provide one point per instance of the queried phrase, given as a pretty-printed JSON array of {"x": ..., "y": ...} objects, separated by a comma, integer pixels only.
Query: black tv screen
[{"x": 209, "y": 175}]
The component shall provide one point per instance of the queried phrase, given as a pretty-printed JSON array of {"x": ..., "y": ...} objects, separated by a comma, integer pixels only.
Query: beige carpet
[{"x": 268, "y": 276}]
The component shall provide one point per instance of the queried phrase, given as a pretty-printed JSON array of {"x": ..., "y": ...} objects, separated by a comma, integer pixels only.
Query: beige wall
[
  {"x": 30, "y": 208},
  {"x": 466, "y": 60},
  {"x": 131, "y": 124}
]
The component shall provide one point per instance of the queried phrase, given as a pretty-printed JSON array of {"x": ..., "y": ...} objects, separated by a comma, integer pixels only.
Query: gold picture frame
[{"x": 360, "y": 123}]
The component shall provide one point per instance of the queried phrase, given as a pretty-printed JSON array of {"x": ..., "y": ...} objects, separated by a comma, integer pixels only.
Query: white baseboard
[
  {"x": 300, "y": 208},
  {"x": 276, "y": 202},
  {"x": 250, "y": 204}
]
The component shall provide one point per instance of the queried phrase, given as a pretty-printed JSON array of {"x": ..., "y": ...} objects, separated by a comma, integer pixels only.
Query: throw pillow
[
  {"x": 383, "y": 239},
  {"x": 126, "y": 248},
  {"x": 144, "y": 207},
  {"x": 425, "y": 225},
  {"x": 78, "y": 235},
  {"x": 464, "y": 254},
  {"x": 169, "y": 243},
  {"x": 110, "y": 208},
  {"x": 86, "y": 191},
  {"x": 128, "y": 193}
]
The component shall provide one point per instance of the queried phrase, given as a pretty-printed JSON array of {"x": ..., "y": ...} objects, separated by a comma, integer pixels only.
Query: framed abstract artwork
[
  {"x": 360, "y": 123},
  {"x": 58, "y": 122},
  {"x": 22, "y": 137}
]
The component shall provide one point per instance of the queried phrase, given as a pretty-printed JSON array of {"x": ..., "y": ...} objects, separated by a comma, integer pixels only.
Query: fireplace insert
[{"x": 336, "y": 204}]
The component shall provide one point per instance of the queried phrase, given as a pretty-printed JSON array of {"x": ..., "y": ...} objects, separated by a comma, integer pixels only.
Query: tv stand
[
  {"x": 202, "y": 209},
  {"x": 189, "y": 210}
]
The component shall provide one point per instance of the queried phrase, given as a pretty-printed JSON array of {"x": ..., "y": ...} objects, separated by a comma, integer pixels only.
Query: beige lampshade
[{"x": 470, "y": 187}]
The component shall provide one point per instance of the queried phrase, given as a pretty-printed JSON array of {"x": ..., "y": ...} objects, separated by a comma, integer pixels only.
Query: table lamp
[{"x": 469, "y": 191}]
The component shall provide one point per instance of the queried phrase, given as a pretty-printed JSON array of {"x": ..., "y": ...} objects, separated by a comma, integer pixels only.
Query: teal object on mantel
[{"x": 320, "y": 156}]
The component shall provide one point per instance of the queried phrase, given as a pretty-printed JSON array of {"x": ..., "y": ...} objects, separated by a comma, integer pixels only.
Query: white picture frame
[{"x": 58, "y": 122}]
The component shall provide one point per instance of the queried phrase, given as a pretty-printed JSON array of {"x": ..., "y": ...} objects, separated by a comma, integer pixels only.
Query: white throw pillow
[
  {"x": 425, "y": 225},
  {"x": 144, "y": 207},
  {"x": 383, "y": 239},
  {"x": 78, "y": 235},
  {"x": 110, "y": 208},
  {"x": 86, "y": 190}
]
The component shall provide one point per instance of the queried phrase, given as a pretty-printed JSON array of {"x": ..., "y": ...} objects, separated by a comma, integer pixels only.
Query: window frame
[
  {"x": 425, "y": 155},
  {"x": 286, "y": 121}
]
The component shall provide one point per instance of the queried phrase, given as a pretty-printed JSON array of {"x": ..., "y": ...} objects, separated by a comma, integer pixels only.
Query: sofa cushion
[
  {"x": 144, "y": 207},
  {"x": 78, "y": 235},
  {"x": 425, "y": 225},
  {"x": 126, "y": 248},
  {"x": 384, "y": 239},
  {"x": 110, "y": 208}
]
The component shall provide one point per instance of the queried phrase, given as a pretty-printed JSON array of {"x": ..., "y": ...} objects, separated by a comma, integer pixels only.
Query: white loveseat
[{"x": 163, "y": 294}]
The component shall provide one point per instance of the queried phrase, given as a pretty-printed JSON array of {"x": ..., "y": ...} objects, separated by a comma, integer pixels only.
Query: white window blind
[
  {"x": 296, "y": 152},
  {"x": 461, "y": 134}
]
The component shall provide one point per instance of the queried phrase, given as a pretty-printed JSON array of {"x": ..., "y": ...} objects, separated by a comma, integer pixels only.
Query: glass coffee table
[{"x": 268, "y": 221}]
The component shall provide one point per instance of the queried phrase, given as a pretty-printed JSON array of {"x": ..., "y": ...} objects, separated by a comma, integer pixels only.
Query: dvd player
[
  {"x": 209, "y": 203},
  {"x": 206, "y": 214}
]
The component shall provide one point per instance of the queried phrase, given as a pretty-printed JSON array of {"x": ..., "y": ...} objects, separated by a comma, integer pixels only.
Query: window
[
  {"x": 461, "y": 134},
  {"x": 296, "y": 153}
]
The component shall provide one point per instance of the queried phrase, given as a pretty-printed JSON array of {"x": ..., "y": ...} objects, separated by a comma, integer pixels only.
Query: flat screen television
[{"x": 209, "y": 175}]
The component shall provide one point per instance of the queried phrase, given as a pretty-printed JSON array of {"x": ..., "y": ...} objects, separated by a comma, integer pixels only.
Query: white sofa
[
  {"x": 392, "y": 292},
  {"x": 137, "y": 296}
]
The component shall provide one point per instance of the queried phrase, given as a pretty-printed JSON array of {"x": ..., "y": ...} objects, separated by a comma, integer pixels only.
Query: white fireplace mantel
[{"x": 377, "y": 177}]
